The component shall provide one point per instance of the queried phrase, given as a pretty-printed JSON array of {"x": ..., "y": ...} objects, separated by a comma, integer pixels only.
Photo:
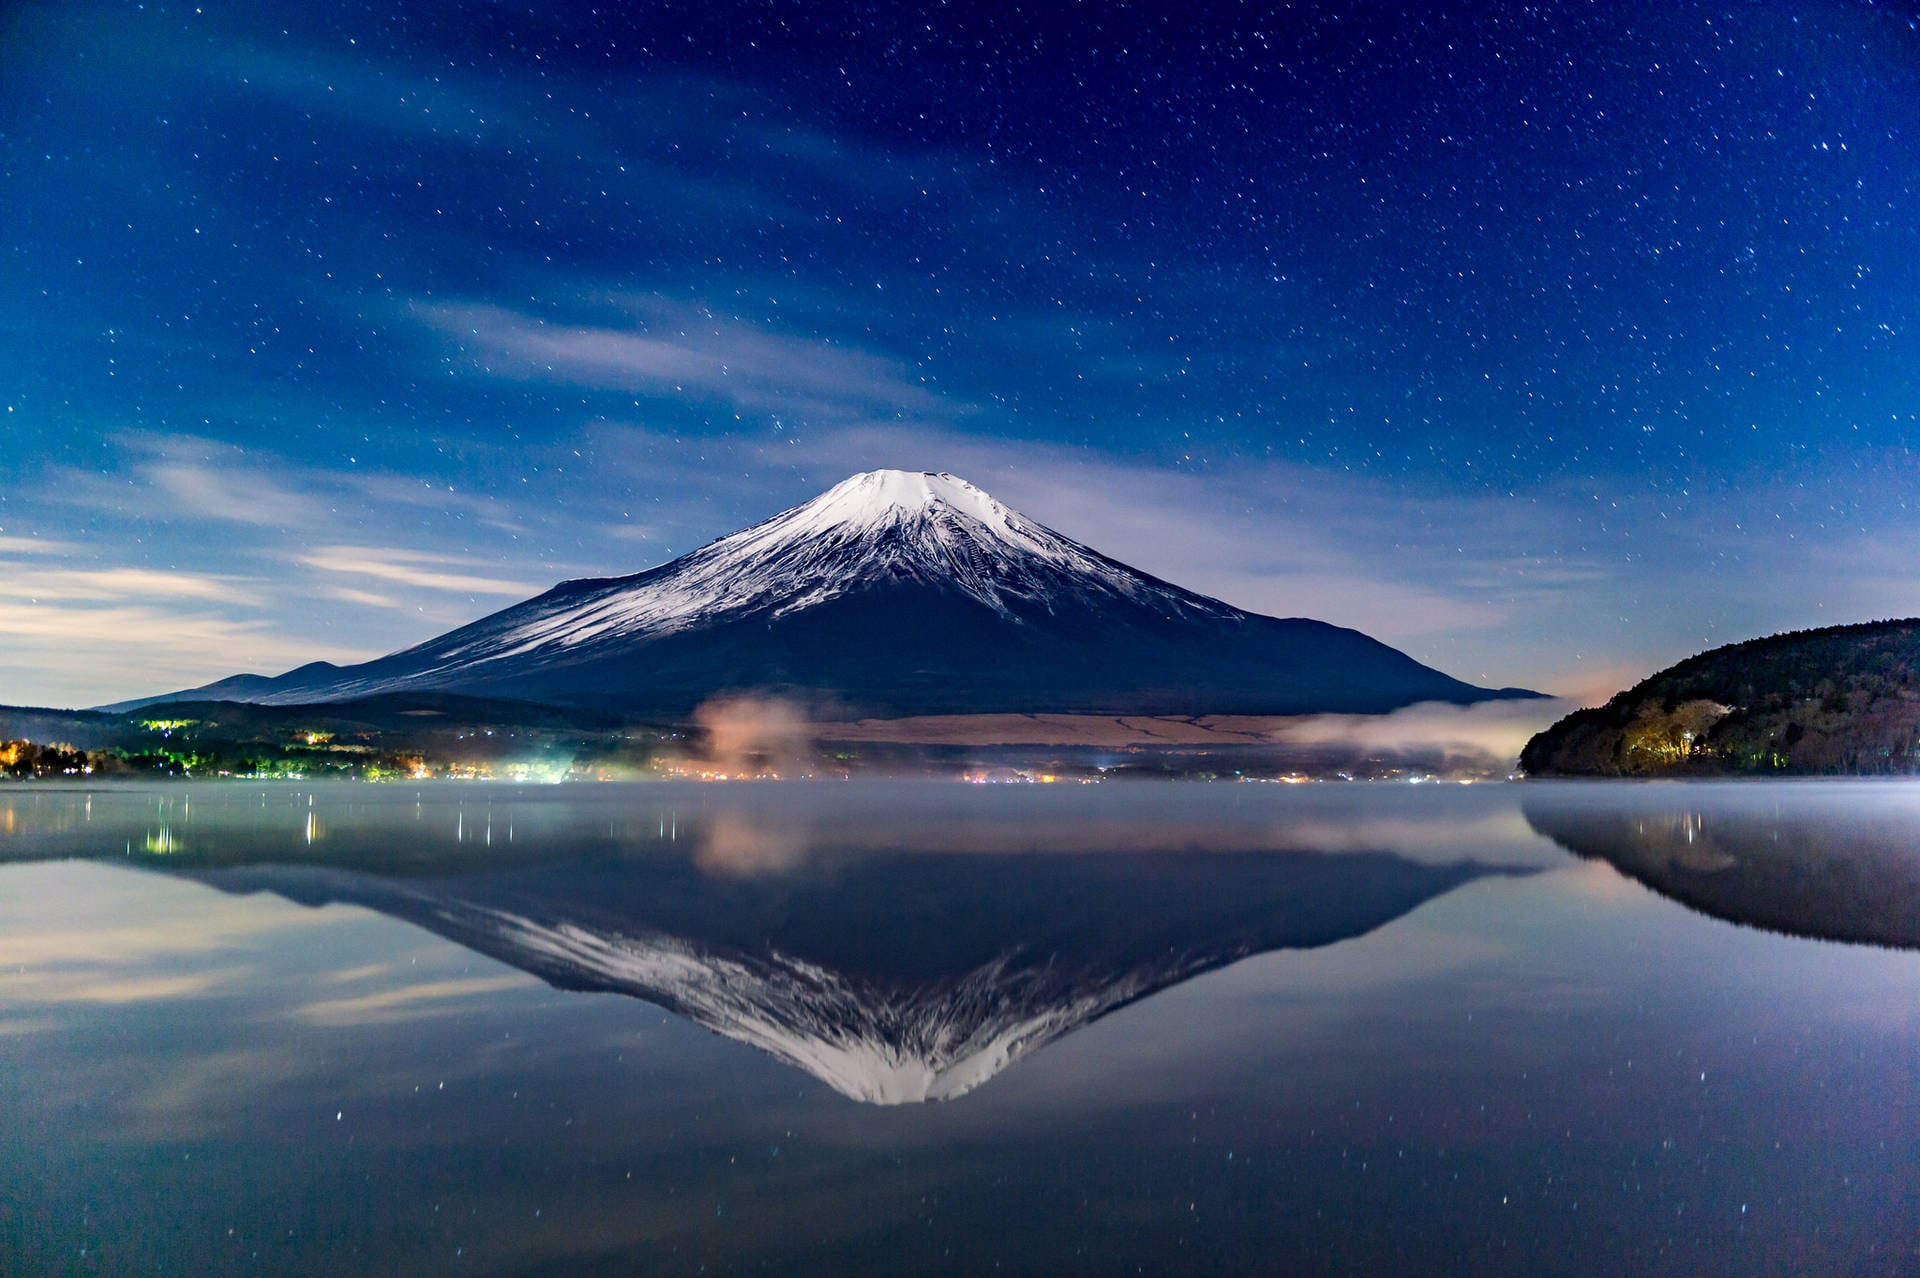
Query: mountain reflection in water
[{"x": 894, "y": 977}]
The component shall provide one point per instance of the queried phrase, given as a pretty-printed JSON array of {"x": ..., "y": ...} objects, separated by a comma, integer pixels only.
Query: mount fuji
[{"x": 893, "y": 593}]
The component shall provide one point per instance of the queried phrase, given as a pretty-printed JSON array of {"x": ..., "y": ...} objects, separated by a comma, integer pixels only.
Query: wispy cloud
[
  {"x": 365, "y": 598},
  {"x": 246, "y": 495},
  {"x": 188, "y": 479},
  {"x": 684, "y": 351},
  {"x": 38, "y": 546},
  {"x": 411, "y": 568},
  {"x": 349, "y": 91},
  {"x": 183, "y": 476},
  {"x": 115, "y": 585}
]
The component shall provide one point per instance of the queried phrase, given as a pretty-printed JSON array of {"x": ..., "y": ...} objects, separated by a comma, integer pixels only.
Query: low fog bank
[
  {"x": 1434, "y": 737},
  {"x": 743, "y": 735}
]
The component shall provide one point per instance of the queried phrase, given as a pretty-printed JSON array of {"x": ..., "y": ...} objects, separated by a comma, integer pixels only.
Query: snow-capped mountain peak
[
  {"x": 910, "y": 513},
  {"x": 936, "y": 529},
  {"x": 880, "y": 496},
  {"x": 893, "y": 592},
  {"x": 938, "y": 507}
]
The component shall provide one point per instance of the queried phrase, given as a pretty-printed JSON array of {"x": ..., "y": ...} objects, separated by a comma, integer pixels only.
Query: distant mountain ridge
[{"x": 893, "y": 593}]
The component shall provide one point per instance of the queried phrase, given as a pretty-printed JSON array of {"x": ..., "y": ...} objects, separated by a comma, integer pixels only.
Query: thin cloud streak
[
  {"x": 185, "y": 477},
  {"x": 683, "y": 351},
  {"x": 236, "y": 493},
  {"x": 116, "y": 585},
  {"x": 189, "y": 479},
  {"x": 410, "y": 568},
  {"x": 39, "y": 546},
  {"x": 364, "y": 598}
]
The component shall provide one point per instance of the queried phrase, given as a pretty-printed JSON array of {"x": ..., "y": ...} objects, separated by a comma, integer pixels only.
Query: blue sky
[{"x": 1549, "y": 342}]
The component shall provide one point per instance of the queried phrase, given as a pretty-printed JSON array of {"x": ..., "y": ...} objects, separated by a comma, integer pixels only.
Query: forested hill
[{"x": 1844, "y": 700}]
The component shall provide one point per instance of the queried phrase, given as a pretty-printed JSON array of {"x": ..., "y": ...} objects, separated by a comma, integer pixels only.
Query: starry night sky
[{"x": 1549, "y": 342}]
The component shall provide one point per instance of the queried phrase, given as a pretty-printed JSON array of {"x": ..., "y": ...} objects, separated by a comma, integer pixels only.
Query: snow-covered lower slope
[{"x": 893, "y": 592}]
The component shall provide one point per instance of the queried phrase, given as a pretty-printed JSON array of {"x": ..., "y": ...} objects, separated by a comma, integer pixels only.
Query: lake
[{"x": 919, "y": 1028}]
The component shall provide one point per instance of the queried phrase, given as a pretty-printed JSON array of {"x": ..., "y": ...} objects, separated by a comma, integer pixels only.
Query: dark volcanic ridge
[{"x": 892, "y": 594}]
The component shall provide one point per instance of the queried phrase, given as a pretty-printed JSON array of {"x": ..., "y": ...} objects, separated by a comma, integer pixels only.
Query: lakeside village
[{"x": 185, "y": 749}]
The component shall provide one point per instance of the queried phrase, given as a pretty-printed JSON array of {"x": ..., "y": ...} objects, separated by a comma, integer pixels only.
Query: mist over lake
[{"x": 883, "y": 1028}]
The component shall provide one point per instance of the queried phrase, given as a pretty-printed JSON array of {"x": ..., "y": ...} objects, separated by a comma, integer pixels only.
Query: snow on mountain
[{"x": 879, "y": 525}]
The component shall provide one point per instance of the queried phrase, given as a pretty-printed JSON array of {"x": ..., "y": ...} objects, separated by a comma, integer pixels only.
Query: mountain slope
[
  {"x": 1837, "y": 700},
  {"x": 892, "y": 593}
]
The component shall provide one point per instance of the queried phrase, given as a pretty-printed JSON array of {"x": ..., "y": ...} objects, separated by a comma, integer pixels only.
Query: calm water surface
[{"x": 1528, "y": 1029}]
